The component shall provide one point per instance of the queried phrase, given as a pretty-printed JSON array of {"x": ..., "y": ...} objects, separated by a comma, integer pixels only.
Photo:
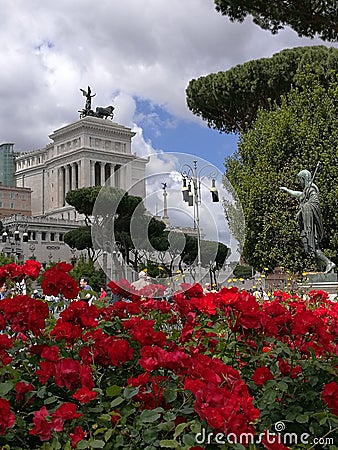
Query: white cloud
[{"x": 51, "y": 49}]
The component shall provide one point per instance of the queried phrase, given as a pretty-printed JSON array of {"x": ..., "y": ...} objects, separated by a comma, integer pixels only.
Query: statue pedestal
[
  {"x": 320, "y": 281},
  {"x": 320, "y": 277}
]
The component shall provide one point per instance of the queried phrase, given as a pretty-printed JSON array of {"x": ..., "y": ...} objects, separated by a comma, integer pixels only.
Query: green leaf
[
  {"x": 96, "y": 444},
  {"x": 195, "y": 426},
  {"x": 95, "y": 409},
  {"x": 82, "y": 444},
  {"x": 50, "y": 400},
  {"x": 170, "y": 394},
  {"x": 189, "y": 439},
  {"x": 108, "y": 434},
  {"x": 150, "y": 415},
  {"x": 5, "y": 388},
  {"x": 169, "y": 415},
  {"x": 269, "y": 396},
  {"x": 105, "y": 417},
  {"x": 130, "y": 392},
  {"x": 42, "y": 392},
  {"x": 282, "y": 386},
  {"x": 47, "y": 446},
  {"x": 169, "y": 444},
  {"x": 302, "y": 418},
  {"x": 117, "y": 402},
  {"x": 180, "y": 428},
  {"x": 113, "y": 391},
  {"x": 150, "y": 435}
]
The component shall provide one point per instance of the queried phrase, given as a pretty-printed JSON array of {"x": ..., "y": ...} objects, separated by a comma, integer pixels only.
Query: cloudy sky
[{"x": 137, "y": 55}]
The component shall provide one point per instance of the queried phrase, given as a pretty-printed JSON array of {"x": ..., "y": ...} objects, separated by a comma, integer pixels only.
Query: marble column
[
  {"x": 60, "y": 187},
  {"x": 73, "y": 177},
  {"x": 112, "y": 175},
  {"x": 67, "y": 167},
  {"x": 92, "y": 173},
  {"x": 102, "y": 174}
]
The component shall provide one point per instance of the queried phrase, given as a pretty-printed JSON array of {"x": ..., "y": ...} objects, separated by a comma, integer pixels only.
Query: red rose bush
[{"x": 215, "y": 370}]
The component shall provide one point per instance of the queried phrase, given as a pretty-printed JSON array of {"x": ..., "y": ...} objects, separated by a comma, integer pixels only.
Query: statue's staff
[
  {"x": 314, "y": 173},
  {"x": 312, "y": 179}
]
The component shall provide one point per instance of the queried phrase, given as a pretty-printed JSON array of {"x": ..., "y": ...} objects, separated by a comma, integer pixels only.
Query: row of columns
[
  {"x": 86, "y": 173},
  {"x": 103, "y": 172},
  {"x": 68, "y": 179}
]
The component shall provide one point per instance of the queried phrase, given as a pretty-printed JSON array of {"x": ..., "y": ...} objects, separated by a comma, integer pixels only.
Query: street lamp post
[
  {"x": 192, "y": 195},
  {"x": 14, "y": 242}
]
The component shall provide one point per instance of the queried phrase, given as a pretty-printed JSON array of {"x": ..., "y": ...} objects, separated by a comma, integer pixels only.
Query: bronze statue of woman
[
  {"x": 310, "y": 219},
  {"x": 89, "y": 96}
]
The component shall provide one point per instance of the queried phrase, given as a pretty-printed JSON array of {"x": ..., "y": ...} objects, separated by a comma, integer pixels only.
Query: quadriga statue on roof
[
  {"x": 310, "y": 219},
  {"x": 102, "y": 113}
]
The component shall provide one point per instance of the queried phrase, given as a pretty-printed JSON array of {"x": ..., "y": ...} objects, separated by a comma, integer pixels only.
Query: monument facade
[{"x": 89, "y": 152}]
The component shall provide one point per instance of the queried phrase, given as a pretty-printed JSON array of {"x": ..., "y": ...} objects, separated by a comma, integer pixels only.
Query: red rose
[
  {"x": 80, "y": 313},
  {"x": 69, "y": 287},
  {"x": 25, "y": 313},
  {"x": 66, "y": 411},
  {"x": 15, "y": 272},
  {"x": 330, "y": 396},
  {"x": 46, "y": 371},
  {"x": 295, "y": 372},
  {"x": 42, "y": 427},
  {"x": 51, "y": 283},
  {"x": 56, "y": 280},
  {"x": 7, "y": 418},
  {"x": 86, "y": 377},
  {"x": 77, "y": 436},
  {"x": 50, "y": 353},
  {"x": 22, "y": 389},
  {"x": 66, "y": 331},
  {"x": 261, "y": 375},
  {"x": 63, "y": 266},
  {"x": 67, "y": 373},
  {"x": 284, "y": 366},
  {"x": 191, "y": 291},
  {"x": 116, "y": 416},
  {"x": 5, "y": 342},
  {"x": 32, "y": 269},
  {"x": 273, "y": 442},
  {"x": 120, "y": 352},
  {"x": 84, "y": 395}
]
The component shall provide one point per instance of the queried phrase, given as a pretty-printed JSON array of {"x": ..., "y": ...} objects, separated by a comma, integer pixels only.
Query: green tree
[
  {"x": 229, "y": 101},
  {"x": 112, "y": 215},
  {"x": 81, "y": 239},
  {"x": 5, "y": 259},
  {"x": 243, "y": 271},
  {"x": 83, "y": 200},
  {"x": 211, "y": 252},
  {"x": 307, "y": 17},
  {"x": 293, "y": 136},
  {"x": 87, "y": 269}
]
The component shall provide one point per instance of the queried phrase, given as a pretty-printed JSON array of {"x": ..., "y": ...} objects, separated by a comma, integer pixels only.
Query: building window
[
  {"x": 61, "y": 237},
  {"x": 43, "y": 235},
  {"x": 11, "y": 205},
  {"x": 52, "y": 236},
  {"x": 0, "y": 204}
]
